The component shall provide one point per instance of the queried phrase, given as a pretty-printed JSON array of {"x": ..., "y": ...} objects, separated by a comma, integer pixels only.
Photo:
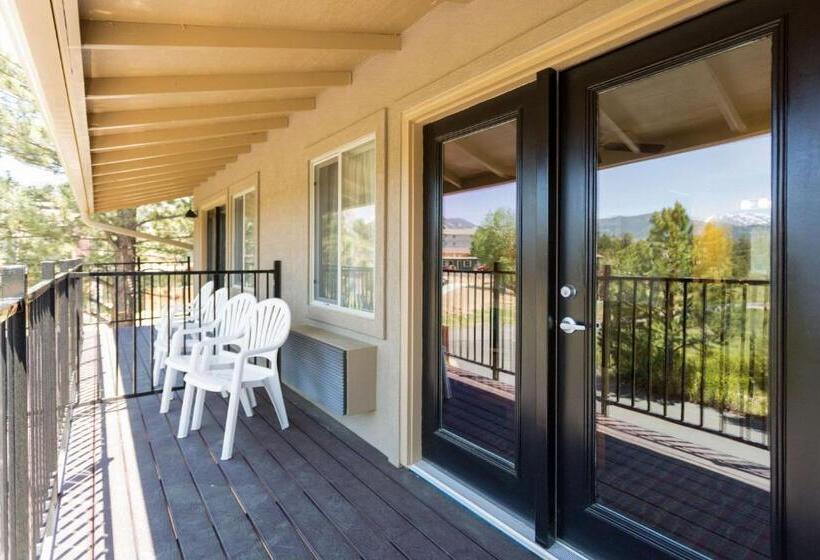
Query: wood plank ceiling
[{"x": 175, "y": 91}]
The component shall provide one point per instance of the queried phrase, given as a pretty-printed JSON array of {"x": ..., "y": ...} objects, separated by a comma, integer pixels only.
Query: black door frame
[
  {"x": 794, "y": 383},
  {"x": 513, "y": 487}
]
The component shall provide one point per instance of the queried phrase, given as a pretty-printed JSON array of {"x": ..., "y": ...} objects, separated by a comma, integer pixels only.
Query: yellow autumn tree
[{"x": 713, "y": 252}]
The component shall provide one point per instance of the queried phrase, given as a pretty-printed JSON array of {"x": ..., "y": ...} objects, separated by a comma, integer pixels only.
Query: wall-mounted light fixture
[{"x": 191, "y": 213}]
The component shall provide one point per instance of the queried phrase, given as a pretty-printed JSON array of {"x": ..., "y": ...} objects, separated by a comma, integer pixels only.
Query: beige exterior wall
[{"x": 453, "y": 45}]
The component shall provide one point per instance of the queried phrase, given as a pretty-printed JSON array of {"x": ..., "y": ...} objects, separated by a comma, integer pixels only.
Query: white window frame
[{"x": 336, "y": 155}]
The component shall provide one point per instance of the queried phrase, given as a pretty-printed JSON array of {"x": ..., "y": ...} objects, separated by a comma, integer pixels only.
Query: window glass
[
  {"x": 345, "y": 228},
  {"x": 327, "y": 231},
  {"x": 249, "y": 232},
  {"x": 358, "y": 227}
]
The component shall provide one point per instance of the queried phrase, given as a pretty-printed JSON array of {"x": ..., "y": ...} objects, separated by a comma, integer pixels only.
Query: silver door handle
[{"x": 569, "y": 325}]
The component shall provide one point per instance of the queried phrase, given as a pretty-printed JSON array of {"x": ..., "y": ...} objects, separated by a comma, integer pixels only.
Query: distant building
[{"x": 455, "y": 248}]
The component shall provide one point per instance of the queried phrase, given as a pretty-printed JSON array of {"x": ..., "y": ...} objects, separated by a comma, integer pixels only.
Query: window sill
[{"x": 359, "y": 322}]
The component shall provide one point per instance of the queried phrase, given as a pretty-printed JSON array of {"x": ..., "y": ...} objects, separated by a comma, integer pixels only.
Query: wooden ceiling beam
[
  {"x": 627, "y": 140},
  {"x": 165, "y": 170},
  {"x": 125, "y": 119},
  {"x": 140, "y": 181},
  {"x": 124, "y": 87},
  {"x": 175, "y": 148},
  {"x": 168, "y": 161},
  {"x": 127, "y": 35},
  {"x": 482, "y": 159},
  {"x": 157, "y": 181},
  {"x": 118, "y": 204},
  {"x": 724, "y": 101},
  {"x": 174, "y": 188},
  {"x": 136, "y": 139}
]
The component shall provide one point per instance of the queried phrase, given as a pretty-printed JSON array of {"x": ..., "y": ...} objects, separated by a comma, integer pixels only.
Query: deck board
[{"x": 315, "y": 490}]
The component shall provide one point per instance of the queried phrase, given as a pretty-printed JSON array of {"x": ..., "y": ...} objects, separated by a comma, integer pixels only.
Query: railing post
[
  {"x": 605, "y": 339},
  {"x": 494, "y": 321},
  {"x": 17, "y": 496},
  {"x": 277, "y": 279}
]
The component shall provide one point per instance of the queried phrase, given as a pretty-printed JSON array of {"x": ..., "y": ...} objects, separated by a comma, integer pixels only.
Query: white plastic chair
[
  {"x": 268, "y": 329},
  {"x": 177, "y": 318},
  {"x": 225, "y": 323}
]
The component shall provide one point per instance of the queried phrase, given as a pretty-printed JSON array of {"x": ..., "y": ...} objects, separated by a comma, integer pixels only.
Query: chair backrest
[
  {"x": 235, "y": 315},
  {"x": 269, "y": 327},
  {"x": 214, "y": 306},
  {"x": 205, "y": 292}
]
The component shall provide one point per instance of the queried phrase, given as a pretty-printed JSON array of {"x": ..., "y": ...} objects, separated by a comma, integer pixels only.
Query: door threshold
[{"x": 508, "y": 523}]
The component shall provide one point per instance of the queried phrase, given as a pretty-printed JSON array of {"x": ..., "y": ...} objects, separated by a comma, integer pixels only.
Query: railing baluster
[
  {"x": 634, "y": 336},
  {"x": 618, "y": 324},
  {"x": 684, "y": 313},
  {"x": 667, "y": 352},
  {"x": 702, "y": 388},
  {"x": 605, "y": 340}
]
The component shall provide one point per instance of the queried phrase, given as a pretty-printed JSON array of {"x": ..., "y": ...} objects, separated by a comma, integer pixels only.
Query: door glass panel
[
  {"x": 479, "y": 303},
  {"x": 683, "y": 260}
]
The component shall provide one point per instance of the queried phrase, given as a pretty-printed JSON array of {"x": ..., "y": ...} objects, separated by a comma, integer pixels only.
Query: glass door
[
  {"x": 482, "y": 277},
  {"x": 668, "y": 257}
]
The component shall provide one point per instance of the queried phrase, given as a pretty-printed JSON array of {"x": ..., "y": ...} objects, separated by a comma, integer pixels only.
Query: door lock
[
  {"x": 568, "y": 291},
  {"x": 570, "y": 325}
]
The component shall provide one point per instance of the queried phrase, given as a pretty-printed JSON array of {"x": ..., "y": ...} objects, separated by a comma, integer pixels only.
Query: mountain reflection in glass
[{"x": 683, "y": 260}]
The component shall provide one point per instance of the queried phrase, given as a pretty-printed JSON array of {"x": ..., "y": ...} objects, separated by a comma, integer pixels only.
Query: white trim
[{"x": 492, "y": 514}]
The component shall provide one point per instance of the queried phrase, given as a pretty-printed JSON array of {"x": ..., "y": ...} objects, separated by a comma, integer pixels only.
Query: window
[
  {"x": 244, "y": 233},
  {"x": 344, "y": 228}
]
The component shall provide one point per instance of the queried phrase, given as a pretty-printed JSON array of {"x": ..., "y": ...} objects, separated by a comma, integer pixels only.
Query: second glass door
[{"x": 666, "y": 395}]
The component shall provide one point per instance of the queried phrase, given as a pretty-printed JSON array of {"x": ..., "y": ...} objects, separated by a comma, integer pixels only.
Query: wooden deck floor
[{"x": 315, "y": 490}]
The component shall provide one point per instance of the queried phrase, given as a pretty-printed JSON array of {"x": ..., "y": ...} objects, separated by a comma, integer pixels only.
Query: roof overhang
[{"x": 146, "y": 100}]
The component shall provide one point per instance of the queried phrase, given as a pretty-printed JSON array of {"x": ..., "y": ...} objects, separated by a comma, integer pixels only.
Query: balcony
[{"x": 105, "y": 473}]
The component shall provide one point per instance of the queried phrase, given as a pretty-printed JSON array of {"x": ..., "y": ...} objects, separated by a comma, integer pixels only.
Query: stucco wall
[{"x": 452, "y": 43}]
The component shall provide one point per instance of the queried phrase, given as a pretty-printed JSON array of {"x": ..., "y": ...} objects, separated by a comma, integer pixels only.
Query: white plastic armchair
[
  {"x": 267, "y": 331},
  {"x": 229, "y": 315},
  {"x": 194, "y": 313}
]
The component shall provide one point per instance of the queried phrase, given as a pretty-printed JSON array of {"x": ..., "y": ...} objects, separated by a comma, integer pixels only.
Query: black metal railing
[
  {"x": 139, "y": 265},
  {"x": 694, "y": 351},
  {"x": 125, "y": 308},
  {"x": 479, "y": 310},
  {"x": 356, "y": 286},
  {"x": 40, "y": 338}
]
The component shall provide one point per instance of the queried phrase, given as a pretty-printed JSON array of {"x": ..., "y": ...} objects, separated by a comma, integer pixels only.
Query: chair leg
[
  {"x": 185, "y": 415},
  {"x": 252, "y": 397},
  {"x": 230, "y": 425},
  {"x": 168, "y": 389},
  {"x": 199, "y": 406},
  {"x": 159, "y": 360},
  {"x": 246, "y": 403},
  {"x": 275, "y": 394}
]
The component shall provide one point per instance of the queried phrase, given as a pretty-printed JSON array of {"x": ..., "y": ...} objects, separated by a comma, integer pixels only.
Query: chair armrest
[
  {"x": 180, "y": 334},
  {"x": 200, "y": 355},
  {"x": 256, "y": 352}
]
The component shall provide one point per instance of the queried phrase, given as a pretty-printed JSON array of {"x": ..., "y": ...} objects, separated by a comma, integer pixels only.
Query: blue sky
[
  {"x": 474, "y": 204},
  {"x": 726, "y": 178},
  {"x": 708, "y": 182}
]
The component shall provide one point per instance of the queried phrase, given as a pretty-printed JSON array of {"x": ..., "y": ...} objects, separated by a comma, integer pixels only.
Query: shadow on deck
[{"x": 315, "y": 490}]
